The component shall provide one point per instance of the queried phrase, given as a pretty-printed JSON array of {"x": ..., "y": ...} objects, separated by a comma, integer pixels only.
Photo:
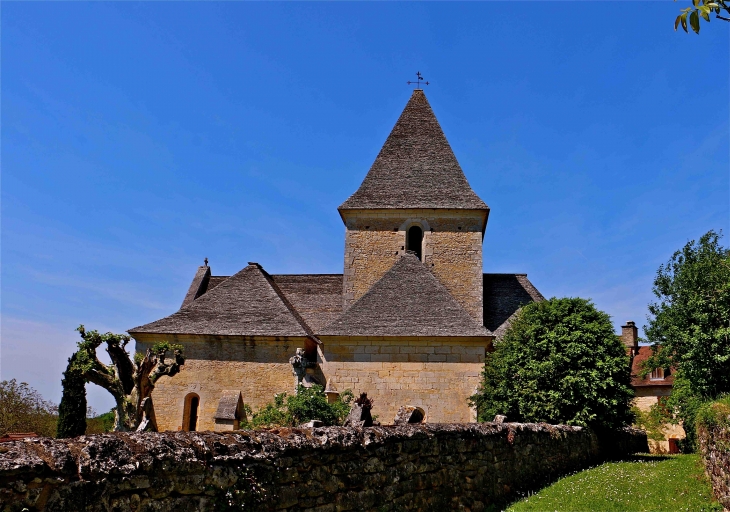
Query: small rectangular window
[{"x": 657, "y": 374}]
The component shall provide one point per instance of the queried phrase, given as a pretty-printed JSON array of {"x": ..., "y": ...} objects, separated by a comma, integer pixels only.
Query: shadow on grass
[{"x": 538, "y": 486}]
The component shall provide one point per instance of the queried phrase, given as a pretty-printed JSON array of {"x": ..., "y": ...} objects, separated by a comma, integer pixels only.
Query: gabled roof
[
  {"x": 504, "y": 294},
  {"x": 248, "y": 303},
  {"x": 230, "y": 406},
  {"x": 416, "y": 167},
  {"x": 637, "y": 363},
  {"x": 407, "y": 301}
]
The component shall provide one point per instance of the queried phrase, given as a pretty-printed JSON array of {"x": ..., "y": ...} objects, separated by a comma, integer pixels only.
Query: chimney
[{"x": 630, "y": 336}]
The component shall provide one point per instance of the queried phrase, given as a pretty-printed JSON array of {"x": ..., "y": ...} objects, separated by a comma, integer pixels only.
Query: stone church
[{"x": 409, "y": 320}]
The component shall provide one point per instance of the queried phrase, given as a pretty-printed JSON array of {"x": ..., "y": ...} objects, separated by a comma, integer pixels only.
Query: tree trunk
[{"x": 130, "y": 384}]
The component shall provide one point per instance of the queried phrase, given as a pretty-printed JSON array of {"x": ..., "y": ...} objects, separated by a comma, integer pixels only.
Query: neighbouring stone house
[
  {"x": 409, "y": 321},
  {"x": 651, "y": 389}
]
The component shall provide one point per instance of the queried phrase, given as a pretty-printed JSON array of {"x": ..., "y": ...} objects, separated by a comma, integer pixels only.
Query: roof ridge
[
  {"x": 287, "y": 303},
  {"x": 295, "y": 275},
  {"x": 232, "y": 308}
]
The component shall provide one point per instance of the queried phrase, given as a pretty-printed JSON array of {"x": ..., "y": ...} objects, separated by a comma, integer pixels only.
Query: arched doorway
[
  {"x": 190, "y": 412},
  {"x": 414, "y": 241}
]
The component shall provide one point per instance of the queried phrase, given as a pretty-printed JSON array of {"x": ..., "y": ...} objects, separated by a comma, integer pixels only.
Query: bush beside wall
[{"x": 418, "y": 467}]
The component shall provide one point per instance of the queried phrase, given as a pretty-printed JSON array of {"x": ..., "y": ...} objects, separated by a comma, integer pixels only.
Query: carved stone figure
[{"x": 299, "y": 365}]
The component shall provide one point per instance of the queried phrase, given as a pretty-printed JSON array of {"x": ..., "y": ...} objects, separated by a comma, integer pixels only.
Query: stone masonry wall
[
  {"x": 714, "y": 443},
  {"x": 646, "y": 397},
  {"x": 437, "y": 376},
  {"x": 452, "y": 249},
  {"x": 424, "y": 467},
  {"x": 259, "y": 369}
]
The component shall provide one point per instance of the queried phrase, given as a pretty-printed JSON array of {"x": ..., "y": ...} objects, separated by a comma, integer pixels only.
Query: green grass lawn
[{"x": 643, "y": 483}]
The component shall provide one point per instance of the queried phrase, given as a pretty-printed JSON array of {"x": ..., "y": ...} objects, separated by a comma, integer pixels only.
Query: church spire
[{"x": 416, "y": 168}]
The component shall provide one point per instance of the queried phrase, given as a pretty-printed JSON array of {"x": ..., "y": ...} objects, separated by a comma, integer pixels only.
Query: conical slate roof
[
  {"x": 248, "y": 303},
  {"x": 416, "y": 167},
  {"x": 407, "y": 301}
]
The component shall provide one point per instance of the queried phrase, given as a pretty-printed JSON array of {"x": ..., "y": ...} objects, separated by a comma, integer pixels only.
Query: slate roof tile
[
  {"x": 248, "y": 303},
  {"x": 317, "y": 297},
  {"x": 214, "y": 281},
  {"x": 416, "y": 167},
  {"x": 230, "y": 406},
  {"x": 407, "y": 301},
  {"x": 199, "y": 285},
  {"x": 504, "y": 294}
]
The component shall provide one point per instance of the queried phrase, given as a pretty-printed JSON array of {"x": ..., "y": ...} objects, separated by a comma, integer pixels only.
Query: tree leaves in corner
[{"x": 701, "y": 8}]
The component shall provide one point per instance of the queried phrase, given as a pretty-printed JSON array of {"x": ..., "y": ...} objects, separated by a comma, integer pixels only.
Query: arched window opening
[
  {"x": 190, "y": 413},
  {"x": 414, "y": 241}
]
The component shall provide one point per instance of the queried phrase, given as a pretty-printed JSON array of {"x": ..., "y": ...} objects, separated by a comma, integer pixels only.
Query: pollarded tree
[
  {"x": 129, "y": 381},
  {"x": 559, "y": 362}
]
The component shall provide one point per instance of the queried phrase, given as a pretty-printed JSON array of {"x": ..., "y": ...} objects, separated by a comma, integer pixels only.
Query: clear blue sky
[{"x": 139, "y": 138}]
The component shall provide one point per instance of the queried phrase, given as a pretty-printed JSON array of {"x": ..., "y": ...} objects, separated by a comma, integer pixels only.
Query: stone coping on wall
[{"x": 409, "y": 467}]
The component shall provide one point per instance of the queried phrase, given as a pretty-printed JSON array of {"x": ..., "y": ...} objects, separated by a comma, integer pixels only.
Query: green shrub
[
  {"x": 559, "y": 362},
  {"x": 652, "y": 421},
  {"x": 684, "y": 404},
  {"x": 308, "y": 404},
  {"x": 714, "y": 414}
]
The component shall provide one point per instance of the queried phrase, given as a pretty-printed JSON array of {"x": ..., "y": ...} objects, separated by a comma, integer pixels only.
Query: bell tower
[{"x": 416, "y": 198}]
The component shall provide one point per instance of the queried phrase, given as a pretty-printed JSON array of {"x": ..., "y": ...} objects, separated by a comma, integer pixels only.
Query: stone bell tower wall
[{"x": 452, "y": 250}]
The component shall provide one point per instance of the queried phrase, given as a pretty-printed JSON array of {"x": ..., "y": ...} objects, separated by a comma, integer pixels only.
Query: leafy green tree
[
  {"x": 23, "y": 409},
  {"x": 701, "y": 9},
  {"x": 559, "y": 362},
  {"x": 129, "y": 381},
  {"x": 308, "y": 404},
  {"x": 689, "y": 326}
]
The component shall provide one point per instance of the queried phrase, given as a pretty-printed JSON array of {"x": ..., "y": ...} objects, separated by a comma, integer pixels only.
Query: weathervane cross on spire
[{"x": 418, "y": 82}]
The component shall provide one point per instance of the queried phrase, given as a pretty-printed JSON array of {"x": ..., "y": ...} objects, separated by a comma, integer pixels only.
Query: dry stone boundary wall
[
  {"x": 410, "y": 467},
  {"x": 715, "y": 449}
]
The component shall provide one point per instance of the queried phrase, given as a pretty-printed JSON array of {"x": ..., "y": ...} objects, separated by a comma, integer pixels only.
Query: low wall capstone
[{"x": 409, "y": 467}]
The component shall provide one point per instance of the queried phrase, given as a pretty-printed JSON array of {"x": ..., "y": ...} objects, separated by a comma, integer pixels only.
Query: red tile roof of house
[
  {"x": 636, "y": 366},
  {"x": 16, "y": 436}
]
